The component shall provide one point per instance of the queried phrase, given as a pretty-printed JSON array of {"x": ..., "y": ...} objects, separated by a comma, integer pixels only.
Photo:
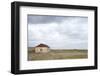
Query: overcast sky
[{"x": 59, "y": 32}]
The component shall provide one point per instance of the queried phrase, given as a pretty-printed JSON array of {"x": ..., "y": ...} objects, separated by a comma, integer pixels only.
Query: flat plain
[{"x": 55, "y": 54}]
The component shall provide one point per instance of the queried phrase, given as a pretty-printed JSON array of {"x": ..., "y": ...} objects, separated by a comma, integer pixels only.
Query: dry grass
[{"x": 58, "y": 54}]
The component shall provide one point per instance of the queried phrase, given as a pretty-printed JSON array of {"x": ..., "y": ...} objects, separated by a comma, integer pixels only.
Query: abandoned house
[{"x": 41, "y": 48}]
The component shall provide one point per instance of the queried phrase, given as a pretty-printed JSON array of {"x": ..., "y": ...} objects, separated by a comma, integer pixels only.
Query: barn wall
[{"x": 41, "y": 49}]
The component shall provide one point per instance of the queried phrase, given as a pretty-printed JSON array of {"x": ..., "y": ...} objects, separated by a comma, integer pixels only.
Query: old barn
[{"x": 41, "y": 48}]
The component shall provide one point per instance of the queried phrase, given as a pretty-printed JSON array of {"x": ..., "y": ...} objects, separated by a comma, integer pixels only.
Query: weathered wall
[{"x": 41, "y": 49}]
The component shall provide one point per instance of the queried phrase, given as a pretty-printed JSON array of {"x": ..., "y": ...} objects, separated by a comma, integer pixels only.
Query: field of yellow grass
[{"x": 55, "y": 54}]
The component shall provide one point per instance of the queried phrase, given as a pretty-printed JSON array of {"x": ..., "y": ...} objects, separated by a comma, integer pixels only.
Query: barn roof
[{"x": 42, "y": 45}]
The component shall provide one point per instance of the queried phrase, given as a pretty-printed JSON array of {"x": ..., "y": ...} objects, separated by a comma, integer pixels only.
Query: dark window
[{"x": 40, "y": 49}]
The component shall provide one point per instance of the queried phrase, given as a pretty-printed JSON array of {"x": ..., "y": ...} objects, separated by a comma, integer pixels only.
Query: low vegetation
[{"x": 55, "y": 54}]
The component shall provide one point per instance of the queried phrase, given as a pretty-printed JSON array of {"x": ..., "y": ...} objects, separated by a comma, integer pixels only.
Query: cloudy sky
[{"x": 58, "y": 32}]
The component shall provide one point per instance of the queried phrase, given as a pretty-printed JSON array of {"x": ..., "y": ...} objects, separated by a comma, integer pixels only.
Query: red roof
[{"x": 42, "y": 45}]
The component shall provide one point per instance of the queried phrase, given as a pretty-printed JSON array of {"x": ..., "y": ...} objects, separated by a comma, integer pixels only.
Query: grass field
[{"x": 55, "y": 54}]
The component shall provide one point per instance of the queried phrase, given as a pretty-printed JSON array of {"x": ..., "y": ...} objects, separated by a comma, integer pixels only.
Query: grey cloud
[
  {"x": 42, "y": 19},
  {"x": 58, "y": 32}
]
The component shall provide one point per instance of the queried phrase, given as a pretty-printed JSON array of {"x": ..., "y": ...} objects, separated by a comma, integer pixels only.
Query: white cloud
[{"x": 68, "y": 34}]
